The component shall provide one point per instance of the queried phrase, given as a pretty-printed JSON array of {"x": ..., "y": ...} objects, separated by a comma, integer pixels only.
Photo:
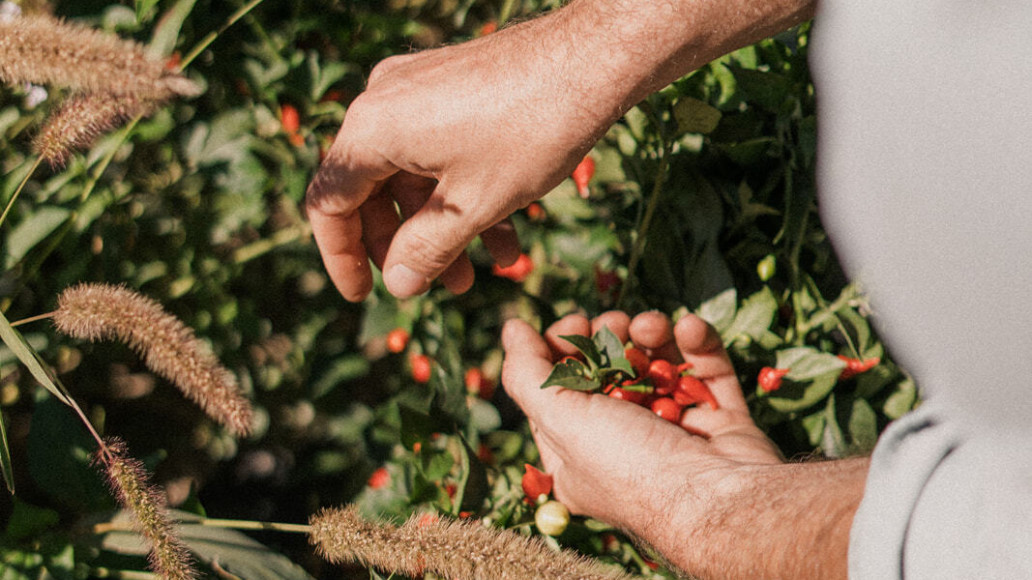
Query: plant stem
[
  {"x": 506, "y": 12},
  {"x": 253, "y": 525},
  {"x": 121, "y": 574},
  {"x": 213, "y": 35},
  {"x": 642, "y": 231},
  {"x": 32, "y": 319},
  {"x": 17, "y": 192},
  {"x": 849, "y": 293},
  {"x": 266, "y": 245},
  {"x": 106, "y": 527}
]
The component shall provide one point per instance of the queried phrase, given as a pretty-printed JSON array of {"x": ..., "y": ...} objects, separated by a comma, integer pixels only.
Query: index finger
[
  {"x": 345, "y": 180},
  {"x": 339, "y": 239}
]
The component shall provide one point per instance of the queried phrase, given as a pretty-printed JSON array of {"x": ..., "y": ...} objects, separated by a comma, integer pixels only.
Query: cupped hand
[
  {"x": 617, "y": 461},
  {"x": 442, "y": 147}
]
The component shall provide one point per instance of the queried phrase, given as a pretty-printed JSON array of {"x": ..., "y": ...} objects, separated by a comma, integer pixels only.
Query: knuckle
[
  {"x": 432, "y": 253},
  {"x": 384, "y": 68}
]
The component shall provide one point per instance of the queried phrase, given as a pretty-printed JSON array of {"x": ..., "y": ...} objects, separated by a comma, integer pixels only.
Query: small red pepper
[
  {"x": 855, "y": 366},
  {"x": 535, "y": 483},
  {"x": 582, "y": 174},
  {"x": 691, "y": 390},
  {"x": 770, "y": 378}
]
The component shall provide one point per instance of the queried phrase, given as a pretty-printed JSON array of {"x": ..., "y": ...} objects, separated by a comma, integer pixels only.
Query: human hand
[
  {"x": 459, "y": 138},
  {"x": 616, "y": 461}
]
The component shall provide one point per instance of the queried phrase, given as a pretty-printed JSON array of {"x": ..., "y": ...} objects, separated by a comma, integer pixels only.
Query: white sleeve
[{"x": 925, "y": 187}]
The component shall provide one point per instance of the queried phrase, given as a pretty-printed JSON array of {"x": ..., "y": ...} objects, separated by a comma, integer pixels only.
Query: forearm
[
  {"x": 623, "y": 50},
  {"x": 783, "y": 521}
]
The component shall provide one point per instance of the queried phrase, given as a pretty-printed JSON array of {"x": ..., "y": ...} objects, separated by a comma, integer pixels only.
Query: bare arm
[
  {"x": 462, "y": 136},
  {"x": 788, "y": 521},
  {"x": 720, "y": 505}
]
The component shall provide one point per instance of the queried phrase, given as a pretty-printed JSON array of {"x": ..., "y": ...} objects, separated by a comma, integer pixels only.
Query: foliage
[{"x": 703, "y": 200}]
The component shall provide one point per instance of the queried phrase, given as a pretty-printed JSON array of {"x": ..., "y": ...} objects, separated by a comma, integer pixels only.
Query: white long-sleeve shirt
[{"x": 925, "y": 186}]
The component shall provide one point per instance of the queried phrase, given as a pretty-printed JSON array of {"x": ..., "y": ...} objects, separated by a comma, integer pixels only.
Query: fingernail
[{"x": 403, "y": 282}]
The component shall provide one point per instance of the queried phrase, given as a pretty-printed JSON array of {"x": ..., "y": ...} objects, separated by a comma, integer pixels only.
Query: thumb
[
  {"x": 528, "y": 362},
  {"x": 433, "y": 238}
]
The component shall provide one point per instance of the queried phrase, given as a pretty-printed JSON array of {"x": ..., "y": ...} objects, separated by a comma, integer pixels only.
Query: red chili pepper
[
  {"x": 663, "y": 375},
  {"x": 291, "y": 121},
  {"x": 638, "y": 359},
  {"x": 770, "y": 378},
  {"x": 582, "y": 174},
  {"x": 535, "y": 483},
  {"x": 690, "y": 390},
  {"x": 518, "y": 271},
  {"x": 290, "y": 118},
  {"x": 636, "y": 397},
  {"x": 535, "y": 212},
  {"x": 478, "y": 384},
  {"x": 397, "y": 340},
  {"x": 379, "y": 478},
  {"x": 488, "y": 28},
  {"x": 855, "y": 366},
  {"x": 667, "y": 408},
  {"x": 421, "y": 368}
]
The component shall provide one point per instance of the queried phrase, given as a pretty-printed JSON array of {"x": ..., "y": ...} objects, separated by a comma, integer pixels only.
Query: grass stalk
[{"x": 18, "y": 190}]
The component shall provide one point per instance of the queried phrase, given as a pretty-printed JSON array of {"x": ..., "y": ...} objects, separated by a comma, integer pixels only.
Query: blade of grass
[
  {"x": 25, "y": 353},
  {"x": 6, "y": 465}
]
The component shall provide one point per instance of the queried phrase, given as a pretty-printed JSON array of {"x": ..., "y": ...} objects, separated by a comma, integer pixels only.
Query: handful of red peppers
[{"x": 627, "y": 373}]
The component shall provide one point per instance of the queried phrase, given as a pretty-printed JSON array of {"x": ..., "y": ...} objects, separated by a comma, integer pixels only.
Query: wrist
[
  {"x": 620, "y": 51},
  {"x": 764, "y": 521}
]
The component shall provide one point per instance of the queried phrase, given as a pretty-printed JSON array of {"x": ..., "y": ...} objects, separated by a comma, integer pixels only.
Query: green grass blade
[
  {"x": 6, "y": 466},
  {"x": 21, "y": 349}
]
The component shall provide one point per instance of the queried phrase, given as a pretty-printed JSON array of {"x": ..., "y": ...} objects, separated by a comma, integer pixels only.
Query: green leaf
[
  {"x": 417, "y": 426},
  {"x": 612, "y": 350},
  {"x": 484, "y": 416},
  {"x": 143, "y": 7},
  {"x": 324, "y": 75},
  {"x": 33, "y": 230},
  {"x": 27, "y": 520},
  {"x": 587, "y": 347},
  {"x": 811, "y": 377},
  {"x": 60, "y": 453},
  {"x": 434, "y": 464},
  {"x": 235, "y": 552},
  {"x": 766, "y": 89},
  {"x": 473, "y": 485},
  {"x": 754, "y": 317},
  {"x": 814, "y": 427},
  {"x": 806, "y": 363},
  {"x": 346, "y": 368},
  {"x": 28, "y": 357},
  {"x": 833, "y": 442},
  {"x": 863, "y": 426},
  {"x": 901, "y": 401},
  {"x": 20, "y": 565},
  {"x": 6, "y": 465},
  {"x": 720, "y": 310},
  {"x": 695, "y": 116},
  {"x": 166, "y": 33},
  {"x": 571, "y": 374}
]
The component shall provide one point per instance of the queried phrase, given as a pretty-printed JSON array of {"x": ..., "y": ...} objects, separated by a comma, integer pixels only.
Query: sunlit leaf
[{"x": 571, "y": 374}]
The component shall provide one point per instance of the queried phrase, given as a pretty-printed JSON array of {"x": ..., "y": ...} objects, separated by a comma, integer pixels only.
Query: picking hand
[{"x": 459, "y": 138}]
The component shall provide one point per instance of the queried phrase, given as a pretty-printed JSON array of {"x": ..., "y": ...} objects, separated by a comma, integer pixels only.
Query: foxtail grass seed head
[
  {"x": 169, "y": 348},
  {"x": 43, "y": 50},
  {"x": 168, "y": 557},
  {"x": 453, "y": 549},
  {"x": 81, "y": 120}
]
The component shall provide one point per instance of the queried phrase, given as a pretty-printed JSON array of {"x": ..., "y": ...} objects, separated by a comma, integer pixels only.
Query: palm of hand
[{"x": 616, "y": 461}]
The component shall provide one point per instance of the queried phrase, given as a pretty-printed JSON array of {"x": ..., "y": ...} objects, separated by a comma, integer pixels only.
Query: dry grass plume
[{"x": 168, "y": 347}]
